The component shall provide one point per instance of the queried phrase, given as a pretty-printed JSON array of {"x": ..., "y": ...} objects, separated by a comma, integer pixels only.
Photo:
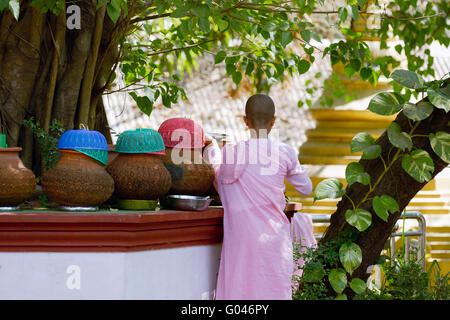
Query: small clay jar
[
  {"x": 77, "y": 180},
  {"x": 139, "y": 176},
  {"x": 17, "y": 182},
  {"x": 191, "y": 175}
]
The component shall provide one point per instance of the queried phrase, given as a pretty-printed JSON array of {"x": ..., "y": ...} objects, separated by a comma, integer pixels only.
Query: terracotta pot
[
  {"x": 139, "y": 176},
  {"x": 189, "y": 177},
  {"x": 77, "y": 180},
  {"x": 17, "y": 182}
]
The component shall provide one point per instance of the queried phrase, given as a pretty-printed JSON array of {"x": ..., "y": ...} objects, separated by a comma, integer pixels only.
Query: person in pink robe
[{"x": 257, "y": 255}]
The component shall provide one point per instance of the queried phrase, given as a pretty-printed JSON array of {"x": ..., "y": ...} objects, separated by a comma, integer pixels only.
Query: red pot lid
[{"x": 182, "y": 133}]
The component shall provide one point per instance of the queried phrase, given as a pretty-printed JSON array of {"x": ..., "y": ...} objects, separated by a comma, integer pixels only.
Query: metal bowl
[{"x": 185, "y": 202}]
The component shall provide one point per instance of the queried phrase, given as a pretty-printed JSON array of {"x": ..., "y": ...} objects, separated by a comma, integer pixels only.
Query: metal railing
[{"x": 420, "y": 245}]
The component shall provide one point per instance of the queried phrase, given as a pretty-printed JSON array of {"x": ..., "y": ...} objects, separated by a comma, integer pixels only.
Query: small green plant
[
  {"x": 322, "y": 265},
  {"x": 48, "y": 141},
  {"x": 44, "y": 200},
  {"x": 404, "y": 279}
]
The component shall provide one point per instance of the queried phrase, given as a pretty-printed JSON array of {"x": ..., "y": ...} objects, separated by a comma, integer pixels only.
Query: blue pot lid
[{"x": 82, "y": 139}]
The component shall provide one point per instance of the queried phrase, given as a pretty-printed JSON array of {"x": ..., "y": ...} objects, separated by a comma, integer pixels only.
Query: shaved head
[{"x": 260, "y": 110}]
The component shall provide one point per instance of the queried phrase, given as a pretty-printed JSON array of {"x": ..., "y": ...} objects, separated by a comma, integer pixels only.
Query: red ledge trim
[{"x": 108, "y": 232}]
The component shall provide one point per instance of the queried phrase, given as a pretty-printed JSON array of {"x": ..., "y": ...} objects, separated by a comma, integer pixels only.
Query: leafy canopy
[{"x": 263, "y": 41}]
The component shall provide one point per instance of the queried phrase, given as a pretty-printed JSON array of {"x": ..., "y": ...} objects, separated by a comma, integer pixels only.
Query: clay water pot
[
  {"x": 17, "y": 182},
  {"x": 77, "y": 180},
  {"x": 139, "y": 176},
  {"x": 191, "y": 175}
]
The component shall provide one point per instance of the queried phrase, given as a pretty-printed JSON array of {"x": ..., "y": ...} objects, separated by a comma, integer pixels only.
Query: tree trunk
[
  {"x": 396, "y": 183},
  {"x": 50, "y": 72}
]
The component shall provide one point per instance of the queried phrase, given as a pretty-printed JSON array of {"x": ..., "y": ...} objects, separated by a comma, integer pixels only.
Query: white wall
[{"x": 177, "y": 273}]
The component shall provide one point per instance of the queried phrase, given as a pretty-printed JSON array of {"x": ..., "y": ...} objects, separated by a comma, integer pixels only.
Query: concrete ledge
[{"x": 53, "y": 231}]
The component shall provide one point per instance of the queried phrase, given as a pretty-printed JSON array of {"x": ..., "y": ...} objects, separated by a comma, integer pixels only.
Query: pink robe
[{"x": 257, "y": 259}]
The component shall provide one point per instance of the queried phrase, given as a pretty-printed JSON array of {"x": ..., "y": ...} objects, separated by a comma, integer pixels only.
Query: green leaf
[
  {"x": 355, "y": 12},
  {"x": 386, "y": 103},
  {"x": 418, "y": 164},
  {"x": 419, "y": 111},
  {"x": 222, "y": 24},
  {"x": 350, "y": 255},
  {"x": 204, "y": 24},
  {"x": 143, "y": 102},
  {"x": 14, "y": 7},
  {"x": 365, "y": 73},
  {"x": 399, "y": 139},
  {"x": 361, "y": 219},
  {"x": 363, "y": 142},
  {"x": 303, "y": 66},
  {"x": 349, "y": 71},
  {"x": 4, "y": 4},
  {"x": 440, "y": 143},
  {"x": 249, "y": 68},
  {"x": 356, "y": 64},
  {"x": 113, "y": 9},
  {"x": 358, "y": 285},
  {"x": 383, "y": 205},
  {"x": 201, "y": 11},
  {"x": 342, "y": 13},
  {"x": 439, "y": 99},
  {"x": 286, "y": 38},
  {"x": 408, "y": 79},
  {"x": 271, "y": 26},
  {"x": 237, "y": 77},
  {"x": 306, "y": 35},
  {"x": 355, "y": 173},
  {"x": 328, "y": 188},
  {"x": 338, "y": 280},
  {"x": 313, "y": 272},
  {"x": 220, "y": 56}
]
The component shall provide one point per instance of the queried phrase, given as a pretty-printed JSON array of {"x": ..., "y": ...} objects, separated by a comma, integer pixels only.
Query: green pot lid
[
  {"x": 99, "y": 155},
  {"x": 3, "y": 141},
  {"x": 127, "y": 204},
  {"x": 139, "y": 141}
]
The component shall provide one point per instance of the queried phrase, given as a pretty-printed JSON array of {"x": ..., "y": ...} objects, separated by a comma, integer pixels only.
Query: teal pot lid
[{"x": 140, "y": 141}]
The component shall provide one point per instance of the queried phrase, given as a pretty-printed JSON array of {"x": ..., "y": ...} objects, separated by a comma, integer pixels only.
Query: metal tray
[{"x": 185, "y": 202}]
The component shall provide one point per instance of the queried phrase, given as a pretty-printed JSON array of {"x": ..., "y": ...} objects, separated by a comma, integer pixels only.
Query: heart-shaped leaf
[
  {"x": 439, "y": 99},
  {"x": 355, "y": 173},
  {"x": 365, "y": 143},
  {"x": 386, "y": 103},
  {"x": 399, "y": 139},
  {"x": 440, "y": 143},
  {"x": 350, "y": 255},
  {"x": 358, "y": 285},
  {"x": 313, "y": 272},
  {"x": 338, "y": 280},
  {"x": 361, "y": 219},
  {"x": 419, "y": 111},
  {"x": 418, "y": 164},
  {"x": 408, "y": 79},
  {"x": 328, "y": 189},
  {"x": 383, "y": 205}
]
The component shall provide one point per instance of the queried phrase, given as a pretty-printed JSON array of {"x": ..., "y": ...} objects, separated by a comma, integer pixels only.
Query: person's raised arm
[
  {"x": 213, "y": 155},
  {"x": 296, "y": 175}
]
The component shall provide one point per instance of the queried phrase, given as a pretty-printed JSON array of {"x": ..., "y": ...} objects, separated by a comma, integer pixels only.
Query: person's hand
[{"x": 208, "y": 140}]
